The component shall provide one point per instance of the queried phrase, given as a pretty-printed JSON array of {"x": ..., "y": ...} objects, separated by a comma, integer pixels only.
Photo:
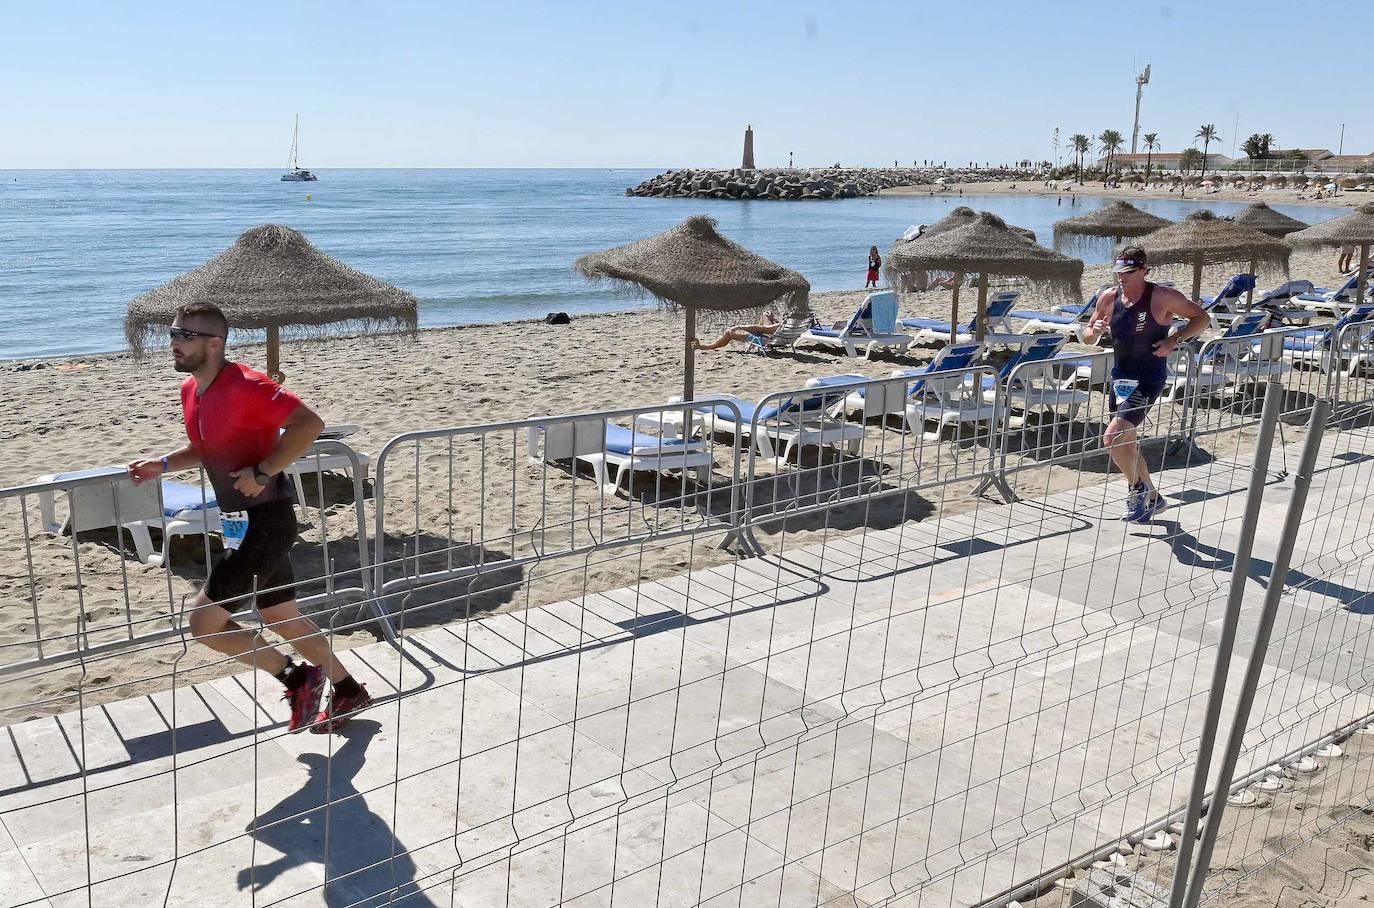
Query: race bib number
[
  {"x": 1123, "y": 388},
  {"x": 234, "y": 526}
]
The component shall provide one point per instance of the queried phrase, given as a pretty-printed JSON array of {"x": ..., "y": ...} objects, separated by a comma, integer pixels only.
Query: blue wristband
[{"x": 166, "y": 464}]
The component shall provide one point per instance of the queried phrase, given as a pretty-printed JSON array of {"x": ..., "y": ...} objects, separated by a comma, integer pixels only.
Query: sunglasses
[{"x": 183, "y": 334}]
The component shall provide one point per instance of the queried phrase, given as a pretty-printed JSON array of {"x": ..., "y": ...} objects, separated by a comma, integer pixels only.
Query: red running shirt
[{"x": 234, "y": 423}]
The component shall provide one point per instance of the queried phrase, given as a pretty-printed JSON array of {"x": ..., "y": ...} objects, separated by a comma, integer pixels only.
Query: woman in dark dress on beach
[{"x": 875, "y": 264}]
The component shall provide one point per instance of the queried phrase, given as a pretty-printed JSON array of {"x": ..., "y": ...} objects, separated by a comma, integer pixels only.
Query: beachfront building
[{"x": 1167, "y": 161}]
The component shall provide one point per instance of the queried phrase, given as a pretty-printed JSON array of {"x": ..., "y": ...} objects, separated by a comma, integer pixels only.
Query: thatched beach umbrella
[
  {"x": 1119, "y": 220},
  {"x": 1353, "y": 229},
  {"x": 693, "y": 267},
  {"x": 1203, "y": 239},
  {"x": 961, "y": 216},
  {"x": 1277, "y": 181},
  {"x": 989, "y": 248},
  {"x": 1261, "y": 217},
  {"x": 273, "y": 279}
]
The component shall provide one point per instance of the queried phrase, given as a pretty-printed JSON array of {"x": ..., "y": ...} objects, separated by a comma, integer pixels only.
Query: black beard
[{"x": 184, "y": 365}]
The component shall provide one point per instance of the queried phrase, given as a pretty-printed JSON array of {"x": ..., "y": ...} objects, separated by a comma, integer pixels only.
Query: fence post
[
  {"x": 1316, "y": 425},
  {"x": 1240, "y": 570}
]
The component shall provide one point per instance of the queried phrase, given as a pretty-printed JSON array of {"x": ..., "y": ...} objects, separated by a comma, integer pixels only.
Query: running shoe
[
  {"x": 1150, "y": 506},
  {"x": 341, "y": 709},
  {"x": 1135, "y": 499},
  {"x": 305, "y": 700}
]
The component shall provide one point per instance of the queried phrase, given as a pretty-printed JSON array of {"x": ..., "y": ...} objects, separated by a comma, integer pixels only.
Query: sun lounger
[
  {"x": 784, "y": 425},
  {"x": 186, "y": 511},
  {"x": 951, "y": 358},
  {"x": 1335, "y": 301},
  {"x": 1024, "y": 386},
  {"x": 1223, "y": 308},
  {"x": 604, "y": 445},
  {"x": 785, "y": 338},
  {"x": 1273, "y": 301},
  {"x": 1224, "y": 364},
  {"x": 1315, "y": 346},
  {"x": 999, "y": 333},
  {"x": 873, "y": 326},
  {"x": 1072, "y": 325}
]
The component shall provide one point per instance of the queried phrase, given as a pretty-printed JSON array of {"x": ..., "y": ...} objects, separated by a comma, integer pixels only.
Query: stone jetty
[{"x": 816, "y": 183}]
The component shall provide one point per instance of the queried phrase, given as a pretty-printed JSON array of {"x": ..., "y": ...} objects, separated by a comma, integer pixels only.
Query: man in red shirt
[{"x": 245, "y": 430}]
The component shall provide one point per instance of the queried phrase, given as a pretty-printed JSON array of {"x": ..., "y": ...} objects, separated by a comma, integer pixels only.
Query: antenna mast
[{"x": 1140, "y": 82}]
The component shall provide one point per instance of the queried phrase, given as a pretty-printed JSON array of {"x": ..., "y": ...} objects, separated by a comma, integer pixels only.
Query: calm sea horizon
[{"x": 474, "y": 246}]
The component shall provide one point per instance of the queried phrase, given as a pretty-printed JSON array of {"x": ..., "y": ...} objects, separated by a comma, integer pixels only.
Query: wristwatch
[{"x": 261, "y": 478}]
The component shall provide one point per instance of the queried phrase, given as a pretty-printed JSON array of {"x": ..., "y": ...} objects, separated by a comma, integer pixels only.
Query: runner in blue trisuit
[{"x": 1139, "y": 315}]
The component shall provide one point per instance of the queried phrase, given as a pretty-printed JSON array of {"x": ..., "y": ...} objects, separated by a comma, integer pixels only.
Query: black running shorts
[
  {"x": 1135, "y": 408},
  {"x": 265, "y": 553}
]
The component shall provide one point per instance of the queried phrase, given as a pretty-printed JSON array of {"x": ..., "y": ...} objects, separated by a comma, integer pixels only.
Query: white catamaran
[{"x": 295, "y": 173}]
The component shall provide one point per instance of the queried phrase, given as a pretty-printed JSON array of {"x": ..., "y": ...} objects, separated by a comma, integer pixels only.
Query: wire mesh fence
[{"x": 869, "y": 642}]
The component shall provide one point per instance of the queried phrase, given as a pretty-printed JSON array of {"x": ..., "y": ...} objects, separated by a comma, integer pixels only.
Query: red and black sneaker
[
  {"x": 305, "y": 699},
  {"x": 341, "y": 709}
]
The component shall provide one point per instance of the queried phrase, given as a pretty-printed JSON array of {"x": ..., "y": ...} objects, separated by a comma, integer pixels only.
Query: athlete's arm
[
  {"x": 183, "y": 458},
  {"x": 1179, "y": 306},
  {"x": 299, "y": 432},
  {"x": 1102, "y": 317}
]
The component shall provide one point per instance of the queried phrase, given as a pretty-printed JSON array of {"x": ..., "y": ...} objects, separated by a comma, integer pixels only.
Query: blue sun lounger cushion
[{"x": 620, "y": 440}]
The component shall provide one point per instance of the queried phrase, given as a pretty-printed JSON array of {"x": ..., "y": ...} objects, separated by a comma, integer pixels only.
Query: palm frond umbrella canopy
[
  {"x": 1353, "y": 229},
  {"x": 989, "y": 248},
  {"x": 693, "y": 268},
  {"x": 1261, "y": 217},
  {"x": 274, "y": 279},
  {"x": 961, "y": 216},
  {"x": 1119, "y": 220},
  {"x": 1202, "y": 239}
]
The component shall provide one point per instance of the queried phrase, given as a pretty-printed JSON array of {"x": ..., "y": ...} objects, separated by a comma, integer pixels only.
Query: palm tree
[
  {"x": 1081, "y": 146},
  {"x": 1111, "y": 141},
  {"x": 1208, "y": 135},
  {"x": 1267, "y": 143},
  {"x": 1151, "y": 146},
  {"x": 1189, "y": 159}
]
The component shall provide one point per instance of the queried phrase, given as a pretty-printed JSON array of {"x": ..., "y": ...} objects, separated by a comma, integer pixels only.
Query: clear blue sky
[{"x": 616, "y": 84}]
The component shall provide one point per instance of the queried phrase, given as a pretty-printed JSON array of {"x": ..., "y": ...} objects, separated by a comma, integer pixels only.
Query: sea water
[{"x": 472, "y": 245}]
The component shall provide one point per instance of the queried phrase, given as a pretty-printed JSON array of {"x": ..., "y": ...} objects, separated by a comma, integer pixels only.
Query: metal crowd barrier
[
  {"x": 873, "y": 703},
  {"x": 105, "y": 622}
]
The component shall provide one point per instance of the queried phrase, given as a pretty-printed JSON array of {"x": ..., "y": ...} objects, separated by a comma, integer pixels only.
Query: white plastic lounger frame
[
  {"x": 784, "y": 429},
  {"x": 603, "y": 445},
  {"x": 187, "y": 512},
  {"x": 872, "y": 327}
]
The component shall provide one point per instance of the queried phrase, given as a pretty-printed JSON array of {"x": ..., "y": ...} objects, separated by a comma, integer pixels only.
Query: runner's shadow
[
  {"x": 364, "y": 863},
  {"x": 1191, "y": 551}
]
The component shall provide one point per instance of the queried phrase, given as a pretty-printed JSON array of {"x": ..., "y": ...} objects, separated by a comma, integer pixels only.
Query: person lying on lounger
[{"x": 742, "y": 333}]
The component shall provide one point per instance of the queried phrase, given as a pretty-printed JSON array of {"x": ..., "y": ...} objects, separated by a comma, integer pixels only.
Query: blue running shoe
[
  {"x": 1135, "y": 500},
  {"x": 1150, "y": 506}
]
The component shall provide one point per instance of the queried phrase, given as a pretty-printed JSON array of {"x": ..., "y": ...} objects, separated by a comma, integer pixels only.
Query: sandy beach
[
  {"x": 1128, "y": 192},
  {"x": 110, "y": 409}
]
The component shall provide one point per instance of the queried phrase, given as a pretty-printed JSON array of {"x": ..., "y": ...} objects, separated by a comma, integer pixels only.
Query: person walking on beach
[
  {"x": 1138, "y": 314},
  {"x": 245, "y": 430},
  {"x": 875, "y": 264},
  {"x": 1345, "y": 261}
]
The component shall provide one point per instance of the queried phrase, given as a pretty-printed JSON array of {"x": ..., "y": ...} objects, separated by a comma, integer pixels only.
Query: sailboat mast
[{"x": 295, "y": 135}]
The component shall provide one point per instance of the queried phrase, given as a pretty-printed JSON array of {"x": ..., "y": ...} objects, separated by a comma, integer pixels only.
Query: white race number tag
[
  {"x": 1123, "y": 388},
  {"x": 234, "y": 527}
]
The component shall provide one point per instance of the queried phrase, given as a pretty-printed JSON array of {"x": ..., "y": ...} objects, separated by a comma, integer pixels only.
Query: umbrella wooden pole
[
  {"x": 981, "y": 327},
  {"x": 274, "y": 354},
  {"x": 954, "y": 314},
  {"x": 1250, "y": 294},
  {"x": 689, "y": 354},
  {"x": 1197, "y": 280},
  {"x": 1362, "y": 281}
]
